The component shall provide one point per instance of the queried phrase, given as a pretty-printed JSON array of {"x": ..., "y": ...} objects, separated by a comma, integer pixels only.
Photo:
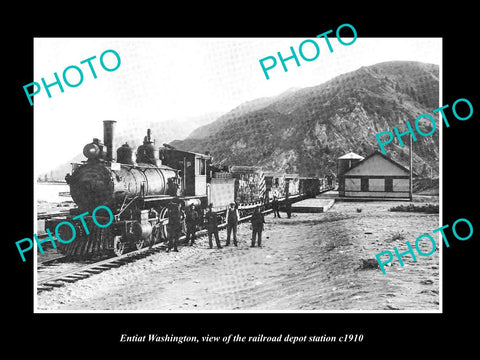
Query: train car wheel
[{"x": 118, "y": 245}]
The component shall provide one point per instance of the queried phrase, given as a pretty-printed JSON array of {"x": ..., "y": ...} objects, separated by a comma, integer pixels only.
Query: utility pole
[{"x": 411, "y": 169}]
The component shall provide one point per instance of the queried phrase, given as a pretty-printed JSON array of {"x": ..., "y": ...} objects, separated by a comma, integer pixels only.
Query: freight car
[
  {"x": 310, "y": 186},
  {"x": 282, "y": 186}
]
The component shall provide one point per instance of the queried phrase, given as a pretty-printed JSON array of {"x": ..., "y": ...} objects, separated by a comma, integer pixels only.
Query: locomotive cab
[{"x": 192, "y": 167}]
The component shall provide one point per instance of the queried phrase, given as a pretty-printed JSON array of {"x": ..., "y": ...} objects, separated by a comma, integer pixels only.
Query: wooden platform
[{"x": 313, "y": 205}]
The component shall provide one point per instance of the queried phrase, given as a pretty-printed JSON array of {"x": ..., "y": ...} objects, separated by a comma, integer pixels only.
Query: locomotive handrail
[
  {"x": 123, "y": 202},
  {"x": 126, "y": 207}
]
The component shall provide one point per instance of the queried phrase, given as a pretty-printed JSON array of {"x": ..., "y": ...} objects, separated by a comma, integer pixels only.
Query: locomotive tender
[{"x": 139, "y": 193}]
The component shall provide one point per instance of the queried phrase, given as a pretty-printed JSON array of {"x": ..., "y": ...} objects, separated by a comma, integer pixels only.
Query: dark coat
[
  {"x": 275, "y": 204},
  {"x": 211, "y": 219},
  {"x": 192, "y": 217},
  {"x": 175, "y": 218},
  {"x": 232, "y": 216},
  {"x": 288, "y": 208},
  {"x": 257, "y": 220}
]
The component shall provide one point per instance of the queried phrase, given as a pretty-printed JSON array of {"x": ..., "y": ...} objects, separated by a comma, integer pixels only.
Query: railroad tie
[
  {"x": 52, "y": 284},
  {"x": 73, "y": 278},
  {"x": 94, "y": 271}
]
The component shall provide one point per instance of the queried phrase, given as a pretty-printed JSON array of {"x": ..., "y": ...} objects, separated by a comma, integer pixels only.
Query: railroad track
[
  {"x": 87, "y": 270},
  {"x": 46, "y": 216}
]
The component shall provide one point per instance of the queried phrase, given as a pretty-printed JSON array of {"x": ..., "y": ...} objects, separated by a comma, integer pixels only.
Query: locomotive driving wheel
[
  {"x": 119, "y": 246},
  {"x": 163, "y": 228}
]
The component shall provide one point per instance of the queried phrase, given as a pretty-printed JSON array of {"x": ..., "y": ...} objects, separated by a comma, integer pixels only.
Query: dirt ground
[{"x": 308, "y": 262}]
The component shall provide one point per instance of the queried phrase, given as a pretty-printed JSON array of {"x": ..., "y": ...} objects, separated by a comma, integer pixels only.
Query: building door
[
  {"x": 364, "y": 184},
  {"x": 388, "y": 184}
]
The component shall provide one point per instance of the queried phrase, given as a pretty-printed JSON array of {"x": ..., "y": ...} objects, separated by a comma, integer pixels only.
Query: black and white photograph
[
  {"x": 235, "y": 179},
  {"x": 238, "y": 175}
]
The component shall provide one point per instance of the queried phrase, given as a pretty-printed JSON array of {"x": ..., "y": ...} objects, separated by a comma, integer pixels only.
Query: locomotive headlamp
[{"x": 91, "y": 151}]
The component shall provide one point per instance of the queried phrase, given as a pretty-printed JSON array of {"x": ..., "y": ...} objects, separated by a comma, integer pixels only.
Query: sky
[{"x": 171, "y": 79}]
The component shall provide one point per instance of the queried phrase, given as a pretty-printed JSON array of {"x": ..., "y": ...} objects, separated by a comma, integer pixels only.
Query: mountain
[{"x": 305, "y": 130}]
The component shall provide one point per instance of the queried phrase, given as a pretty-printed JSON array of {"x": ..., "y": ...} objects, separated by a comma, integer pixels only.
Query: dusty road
[{"x": 308, "y": 262}]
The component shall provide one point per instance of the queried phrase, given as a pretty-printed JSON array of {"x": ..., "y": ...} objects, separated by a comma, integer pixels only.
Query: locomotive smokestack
[{"x": 109, "y": 138}]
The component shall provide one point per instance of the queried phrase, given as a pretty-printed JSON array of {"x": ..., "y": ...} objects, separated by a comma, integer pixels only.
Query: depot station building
[{"x": 376, "y": 176}]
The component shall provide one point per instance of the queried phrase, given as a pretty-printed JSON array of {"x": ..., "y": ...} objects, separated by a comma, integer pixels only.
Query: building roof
[
  {"x": 351, "y": 156},
  {"x": 245, "y": 169},
  {"x": 185, "y": 152},
  {"x": 377, "y": 153}
]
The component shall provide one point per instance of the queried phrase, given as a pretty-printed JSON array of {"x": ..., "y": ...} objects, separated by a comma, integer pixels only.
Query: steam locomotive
[{"x": 139, "y": 193}]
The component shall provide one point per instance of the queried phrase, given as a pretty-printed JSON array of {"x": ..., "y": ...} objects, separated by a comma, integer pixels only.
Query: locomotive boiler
[{"x": 100, "y": 181}]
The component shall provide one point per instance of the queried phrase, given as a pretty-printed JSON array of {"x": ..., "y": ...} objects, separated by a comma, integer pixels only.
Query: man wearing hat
[
  {"x": 275, "y": 207},
  {"x": 257, "y": 221},
  {"x": 212, "y": 226},
  {"x": 232, "y": 220},
  {"x": 191, "y": 219},
  {"x": 175, "y": 218}
]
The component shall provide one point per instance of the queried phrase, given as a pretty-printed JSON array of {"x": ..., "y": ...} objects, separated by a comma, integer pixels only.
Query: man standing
[
  {"x": 232, "y": 221},
  {"x": 212, "y": 226},
  {"x": 257, "y": 226},
  {"x": 288, "y": 208},
  {"x": 172, "y": 187},
  {"x": 174, "y": 226},
  {"x": 192, "y": 221},
  {"x": 275, "y": 207}
]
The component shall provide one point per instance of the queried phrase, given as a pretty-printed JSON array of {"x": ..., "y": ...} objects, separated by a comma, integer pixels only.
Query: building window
[
  {"x": 201, "y": 166},
  {"x": 364, "y": 184},
  {"x": 352, "y": 184}
]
